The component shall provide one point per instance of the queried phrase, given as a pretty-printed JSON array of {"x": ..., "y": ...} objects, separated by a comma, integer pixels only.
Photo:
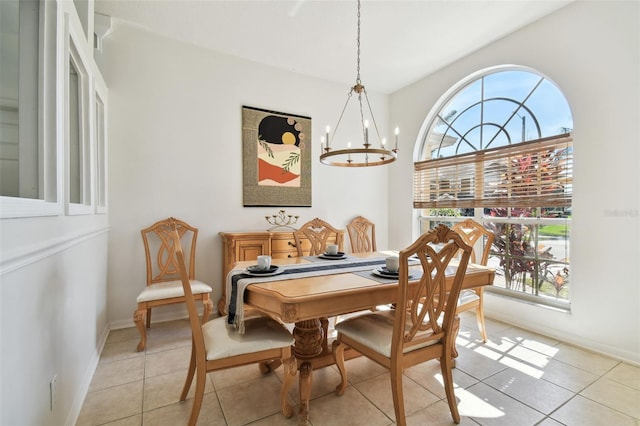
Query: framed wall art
[{"x": 276, "y": 156}]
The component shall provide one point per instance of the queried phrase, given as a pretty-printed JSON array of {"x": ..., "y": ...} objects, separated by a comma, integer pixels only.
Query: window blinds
[{"x": 530, "y": 174}]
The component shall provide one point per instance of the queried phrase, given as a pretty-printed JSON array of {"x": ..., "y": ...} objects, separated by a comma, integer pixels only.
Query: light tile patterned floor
[{"x": 516, "y": 378}]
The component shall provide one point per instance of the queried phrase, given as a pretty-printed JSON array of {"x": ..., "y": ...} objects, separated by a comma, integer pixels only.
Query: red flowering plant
[{"x": 523, "y": 262}]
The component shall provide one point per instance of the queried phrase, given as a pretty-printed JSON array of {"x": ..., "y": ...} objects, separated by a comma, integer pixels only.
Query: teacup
[
  {"x": 264, "y": 262},
  {"x": 392, "y": 263},
  {"x": 332, "y": 249}
]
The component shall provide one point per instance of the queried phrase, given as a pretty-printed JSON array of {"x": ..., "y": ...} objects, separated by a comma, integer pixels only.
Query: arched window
[{"x": 497, "y": 147}]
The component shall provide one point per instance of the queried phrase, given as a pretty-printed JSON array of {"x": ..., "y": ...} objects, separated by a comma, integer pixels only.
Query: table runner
[{"x": 238, "y": 280}]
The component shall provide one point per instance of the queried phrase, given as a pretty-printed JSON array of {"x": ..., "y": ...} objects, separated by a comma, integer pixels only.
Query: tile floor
[{"x": 516, "y": 378}]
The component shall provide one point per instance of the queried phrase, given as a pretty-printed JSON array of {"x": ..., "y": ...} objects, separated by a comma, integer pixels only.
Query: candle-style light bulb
[
  {"x": 328, "y": 130},
  {"x": 384, "y": 142},
  {"x": 397, "y": 133},
  {"x": 366, "y": 132}
]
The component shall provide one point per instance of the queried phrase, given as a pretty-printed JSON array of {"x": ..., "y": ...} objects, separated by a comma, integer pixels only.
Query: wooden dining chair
[
  {"x": 425, "y": 327},
  {"x": 215, "y": 345},
  {"x": 475, "y": 235},
  {"x": 163, "y": 278},
  {"x": 362, "y": 235},
  {"x": 319, "y": 233}
]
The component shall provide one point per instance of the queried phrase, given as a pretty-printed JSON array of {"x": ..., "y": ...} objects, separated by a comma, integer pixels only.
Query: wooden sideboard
[{"x": 240, "y": 246}]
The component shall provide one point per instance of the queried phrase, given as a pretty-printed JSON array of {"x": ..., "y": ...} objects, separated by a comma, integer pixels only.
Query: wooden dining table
[{"x": 308, "y": 301}]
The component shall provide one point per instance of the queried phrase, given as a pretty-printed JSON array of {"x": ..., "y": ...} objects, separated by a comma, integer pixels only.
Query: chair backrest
[
  {"x": 422, "y": 301},
  {"x": 362, "y": 235},
  {"x": 318, "y": 232},
  {"x": 471, "y": 232},
  {"x": 194, "y": 320},
  {"x": 159, "y": 249}
]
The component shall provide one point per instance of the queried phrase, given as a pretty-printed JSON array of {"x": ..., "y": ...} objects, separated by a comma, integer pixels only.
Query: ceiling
[{"x": 401, "y": 40}]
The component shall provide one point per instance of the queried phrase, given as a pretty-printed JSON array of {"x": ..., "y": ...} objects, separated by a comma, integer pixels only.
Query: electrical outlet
[{"x": 53, "y": 385}]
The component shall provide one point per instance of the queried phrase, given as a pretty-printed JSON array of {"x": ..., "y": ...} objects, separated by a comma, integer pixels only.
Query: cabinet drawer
[
  {"x": 288, "y": 244},
  {"x": 284, "y": 254}
]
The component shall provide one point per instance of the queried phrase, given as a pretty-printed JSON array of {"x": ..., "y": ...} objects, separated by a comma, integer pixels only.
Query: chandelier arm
[
  {"x": 344, "y": 108},
  {"x": 375, "y": 125},
  {"x": 364, "y": 131}
]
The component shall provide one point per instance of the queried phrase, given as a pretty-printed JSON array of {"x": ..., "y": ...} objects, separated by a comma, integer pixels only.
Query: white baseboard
[{"x": 78, "y": 401}]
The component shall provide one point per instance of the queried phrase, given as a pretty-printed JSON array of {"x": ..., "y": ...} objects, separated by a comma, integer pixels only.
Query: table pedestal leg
[{"x": 308, "y": 344}]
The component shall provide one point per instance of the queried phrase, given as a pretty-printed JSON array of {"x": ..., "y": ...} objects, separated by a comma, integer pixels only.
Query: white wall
[
  {"x": 53, "y": 287},
  {"x": 53, "y": 314},
  {"x": 591, "y": 50},
  {"x": 176, "y": 150}
]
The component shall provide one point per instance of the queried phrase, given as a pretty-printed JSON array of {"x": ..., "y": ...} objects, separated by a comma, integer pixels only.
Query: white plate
[{"x": 276, "y": 271}]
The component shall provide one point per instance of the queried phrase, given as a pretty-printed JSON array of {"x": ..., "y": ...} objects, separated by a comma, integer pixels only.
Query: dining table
[{"x": 306, "y": 291}]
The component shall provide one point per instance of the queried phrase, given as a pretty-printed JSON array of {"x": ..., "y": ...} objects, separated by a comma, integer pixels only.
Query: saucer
[
  {"x": 339, "y": 256},
  {"x": 256, "y": 272},
  {"x": 384, "y": 271},
  {"x": 386, "y": 274}
]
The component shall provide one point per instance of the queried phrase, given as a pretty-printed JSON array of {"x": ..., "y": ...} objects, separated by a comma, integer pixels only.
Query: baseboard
[
  {"x": 628, "y": 357},
  {"x": 76, "y": 406},
  {"x": 157, "y": 317}
]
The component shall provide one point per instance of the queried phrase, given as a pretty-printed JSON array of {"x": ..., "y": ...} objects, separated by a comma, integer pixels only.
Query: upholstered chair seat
[
  {"x": 375, "y": 331},
  {"x": 261, "y": 333},
  {"x": 169, "y": 289}
]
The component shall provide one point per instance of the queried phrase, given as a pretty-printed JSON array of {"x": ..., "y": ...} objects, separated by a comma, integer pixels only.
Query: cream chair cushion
[
  {"x": 222, "y": 340},
  {"x": 376, "y": 329},
  {"x": 467, "y": 296},
  {"x": 169, "y": 289}
]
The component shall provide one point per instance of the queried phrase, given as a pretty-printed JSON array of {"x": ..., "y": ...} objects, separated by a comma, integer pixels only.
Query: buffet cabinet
[{"x": 240, "y": 246}]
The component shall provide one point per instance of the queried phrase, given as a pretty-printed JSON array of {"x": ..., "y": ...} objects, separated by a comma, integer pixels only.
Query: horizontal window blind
[{"x": 530, "y": 174}]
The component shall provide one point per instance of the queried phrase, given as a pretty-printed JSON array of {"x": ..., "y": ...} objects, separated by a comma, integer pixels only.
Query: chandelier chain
[{"x": 358, "y": 45}]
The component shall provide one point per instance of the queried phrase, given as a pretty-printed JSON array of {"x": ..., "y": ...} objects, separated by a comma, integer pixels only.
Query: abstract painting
[{"x": 276, "y": 150}]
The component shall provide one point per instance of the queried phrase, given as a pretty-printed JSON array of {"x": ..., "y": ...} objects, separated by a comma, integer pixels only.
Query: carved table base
[{"x": 312, "y": 352}]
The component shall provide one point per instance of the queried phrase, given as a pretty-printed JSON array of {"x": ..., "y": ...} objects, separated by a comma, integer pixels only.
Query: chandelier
[{"x": 358, "y": 157}]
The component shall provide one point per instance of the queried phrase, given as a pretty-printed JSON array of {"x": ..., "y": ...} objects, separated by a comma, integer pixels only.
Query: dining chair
[
  {"x": 362, "y": 235},
  {"x": 319, "y": 233},
  {"x": 475, "y": 235},
  {"x": 163, "y": 277},
  {"x": 215, "y": 345},
  {"x": 426, "y": 325}
]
